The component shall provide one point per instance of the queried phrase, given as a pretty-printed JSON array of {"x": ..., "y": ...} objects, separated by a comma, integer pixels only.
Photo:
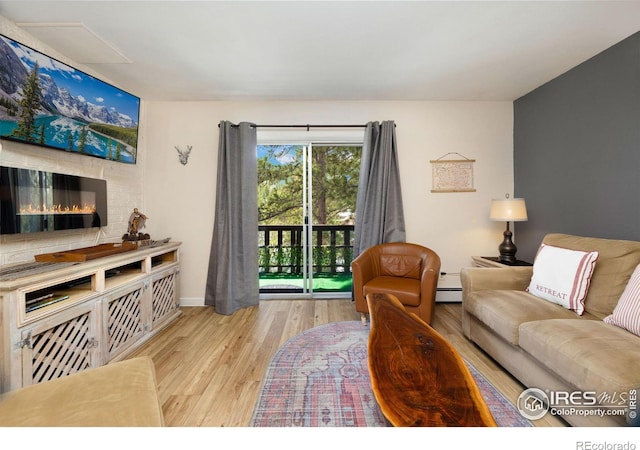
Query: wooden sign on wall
[{"x": 452, "y": 175}]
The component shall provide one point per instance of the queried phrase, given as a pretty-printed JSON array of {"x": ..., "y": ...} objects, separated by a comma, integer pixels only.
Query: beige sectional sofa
[
  {"x": 549, "y": 347},
  {"x": 120, "y": 394}
]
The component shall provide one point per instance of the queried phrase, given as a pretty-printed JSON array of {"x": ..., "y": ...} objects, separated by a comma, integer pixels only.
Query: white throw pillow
[
  {"x": 562, "y": 276},
  {"x": 626, "y": 314}
]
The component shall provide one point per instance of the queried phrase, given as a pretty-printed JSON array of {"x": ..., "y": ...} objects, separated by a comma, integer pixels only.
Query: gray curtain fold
[
  {"x": 379, "y": 210},
  {"x": 232, "y": 280}
]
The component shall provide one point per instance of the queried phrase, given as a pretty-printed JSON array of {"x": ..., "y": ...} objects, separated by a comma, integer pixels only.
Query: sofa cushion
[
  {"x": 562, "y": 276},
  {"x": 504, "y": 311},
  {"x": 626, "y": 314},
  {"x": 615, "y": 264},
  {"x": 401, "y": 266},
  {"x": 121, "y": 394},
  {"x": 589, "y": 354},
  {"x": 407, "y": 290}
]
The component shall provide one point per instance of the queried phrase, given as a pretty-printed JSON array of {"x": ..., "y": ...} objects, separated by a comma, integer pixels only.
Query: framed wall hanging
[
  {"x": 47, "y": 103},
  {"x": 452, "y": 175}
]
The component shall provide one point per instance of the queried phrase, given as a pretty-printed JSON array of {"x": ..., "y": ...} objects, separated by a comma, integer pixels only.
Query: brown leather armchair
[{"x": 408, "y": 271}]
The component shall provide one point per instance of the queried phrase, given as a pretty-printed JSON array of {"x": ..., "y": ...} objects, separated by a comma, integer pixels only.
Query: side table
[{"x": 493, "y": 261}]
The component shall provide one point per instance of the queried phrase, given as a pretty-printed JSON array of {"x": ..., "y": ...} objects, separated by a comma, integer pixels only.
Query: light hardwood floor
[{"x": 210, "y": 367}]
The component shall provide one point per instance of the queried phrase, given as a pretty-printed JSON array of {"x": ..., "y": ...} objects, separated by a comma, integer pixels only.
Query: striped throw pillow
[
  {"x": 626, "y": 314},
  {"x": 562, "y": 276}
]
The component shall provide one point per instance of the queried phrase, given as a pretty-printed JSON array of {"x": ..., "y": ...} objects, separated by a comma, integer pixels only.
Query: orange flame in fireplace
[{"x": 57, "y": 209}]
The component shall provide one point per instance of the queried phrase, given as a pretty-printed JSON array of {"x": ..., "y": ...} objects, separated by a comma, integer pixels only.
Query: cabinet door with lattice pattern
[
  {"x": 57, "y": 347},
  {"x": 164, "y": 297},
  {"x": 126, "y": 318}
]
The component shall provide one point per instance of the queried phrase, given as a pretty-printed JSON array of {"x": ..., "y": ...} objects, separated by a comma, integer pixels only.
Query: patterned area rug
[{"x": 320, "y": 378}]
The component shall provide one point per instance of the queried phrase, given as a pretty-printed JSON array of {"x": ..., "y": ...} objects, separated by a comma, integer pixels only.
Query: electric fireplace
[{"x": 33, "y": 201}]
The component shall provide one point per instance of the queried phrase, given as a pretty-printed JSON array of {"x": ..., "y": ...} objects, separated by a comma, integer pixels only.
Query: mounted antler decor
[{"x": 183, "y": 155}]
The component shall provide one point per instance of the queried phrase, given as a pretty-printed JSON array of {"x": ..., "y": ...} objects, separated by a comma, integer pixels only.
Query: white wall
[
  {"x": 179, "y": 200},
  {"x": 124, "y": 181}
]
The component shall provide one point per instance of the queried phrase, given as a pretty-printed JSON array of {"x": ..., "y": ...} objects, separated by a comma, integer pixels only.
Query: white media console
[{"x": 65, "y": 317}]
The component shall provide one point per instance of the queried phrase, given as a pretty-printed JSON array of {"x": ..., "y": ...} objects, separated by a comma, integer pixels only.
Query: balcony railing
[{"x": 280, "y": 249}]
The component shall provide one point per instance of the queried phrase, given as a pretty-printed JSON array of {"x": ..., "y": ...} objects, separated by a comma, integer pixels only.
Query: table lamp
[{"x": 508, "y": 210}]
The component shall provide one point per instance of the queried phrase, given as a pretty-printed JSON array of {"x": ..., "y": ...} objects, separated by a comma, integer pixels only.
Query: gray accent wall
[{"x": 577, "y": 151}]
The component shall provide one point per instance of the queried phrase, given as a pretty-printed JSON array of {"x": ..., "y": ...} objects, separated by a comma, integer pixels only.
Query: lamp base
[{"x": 507, "y": 249}]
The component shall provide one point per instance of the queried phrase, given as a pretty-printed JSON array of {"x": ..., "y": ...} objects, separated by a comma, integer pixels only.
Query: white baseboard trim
[
  {"x": 192, "y": 301},
  {"x": 448, "y": 295},
  {"x": 449, "y": 288}
]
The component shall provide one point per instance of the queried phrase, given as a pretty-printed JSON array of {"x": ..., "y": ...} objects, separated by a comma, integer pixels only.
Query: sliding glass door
[{"x": 306, "y": 203}]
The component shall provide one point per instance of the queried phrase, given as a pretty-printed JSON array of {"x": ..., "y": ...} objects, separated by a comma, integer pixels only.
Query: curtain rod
[{"x": 307, "y": 126}]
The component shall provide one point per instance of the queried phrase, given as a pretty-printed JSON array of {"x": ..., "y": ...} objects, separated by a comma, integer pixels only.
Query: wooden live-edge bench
[{"x": 417, "y": 377}]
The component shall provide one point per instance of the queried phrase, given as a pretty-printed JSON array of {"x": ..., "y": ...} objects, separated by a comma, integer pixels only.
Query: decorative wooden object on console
[
  {"x": 87, "y": 253},
  {"x": 418, "y": 378}
]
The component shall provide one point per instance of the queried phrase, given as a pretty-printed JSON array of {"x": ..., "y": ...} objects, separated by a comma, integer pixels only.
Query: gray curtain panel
[
  {"x": 379, "y": 211},
  {"x": 232, "y": 280}
]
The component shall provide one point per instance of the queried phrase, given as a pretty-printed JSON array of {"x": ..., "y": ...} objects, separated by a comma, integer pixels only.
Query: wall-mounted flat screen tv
[{"x": 48, "y": 103}]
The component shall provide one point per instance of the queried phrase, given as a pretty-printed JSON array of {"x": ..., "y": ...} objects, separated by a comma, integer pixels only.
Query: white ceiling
[{"x": 335, "y": 50}]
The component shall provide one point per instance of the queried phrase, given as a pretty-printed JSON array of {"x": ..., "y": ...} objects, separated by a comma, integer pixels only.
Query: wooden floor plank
[{"x": 210, "y": 366}]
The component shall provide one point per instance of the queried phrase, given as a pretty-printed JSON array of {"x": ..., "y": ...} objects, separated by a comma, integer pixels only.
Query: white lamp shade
[{"x": 508, "y": 210}]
